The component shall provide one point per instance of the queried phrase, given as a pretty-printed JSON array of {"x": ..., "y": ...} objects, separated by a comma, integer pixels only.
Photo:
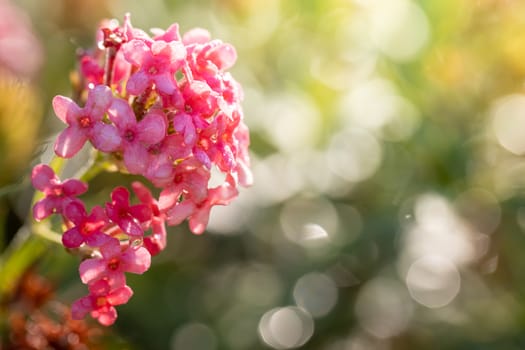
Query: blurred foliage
[{"x": 388, "y": 210}]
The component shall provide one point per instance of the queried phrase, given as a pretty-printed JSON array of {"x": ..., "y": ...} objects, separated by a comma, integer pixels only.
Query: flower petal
[
  {"x": 70, "y": 141},
  {"x": 121, "y": 114},
  {"x": 223, "y": 56},
  {"x": 65, "y": 109},
  {"x": 171, "y": 34},
  {"x": 76, "y": 212},
  {"x": 165, "y": 83},
  {"x": 98, "y": 239},
  {"x": 152, "y": 129},
  {"x": 42, "y": 209},
  {"x": 74, "y": 187},
  {"x": 130, "y": 226},
  {"x": 199, "y": 220},
  {"x": 135, "y": 158},
  {"x": 141, "y": 212},
  {"x": 136, "y": 260},
  {"x": 120, "y": 295},
  {"x": 105, "y": 137},
  {"x": 99, "y": 99},
  {"x": 137, "y": 83},
  {"x": 169, "y": 197},
  {"x": 106, "y": 316},
  {"x": 142, "y": 192},
  {"x": 135, "y": 51},
  {"x": 72, "y": 238},
  {"x": 81, "y": 307},
  {"x": 120, "y": 196},
  {"x": 180, "y": 212},
  {"x": 91, "y": 270},
  {"x": 111, "y": 250},
  {"x": 41, "y": 176}
]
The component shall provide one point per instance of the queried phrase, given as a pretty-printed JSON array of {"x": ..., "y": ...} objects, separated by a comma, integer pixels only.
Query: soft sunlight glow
[
  {"x": 306, "y": 220},
  {"x": 508, "y": 123},
  {"x": 286, "y": 327},
  {"x": 354, "y": 154},
  {"x": 315, "y": 292},
  {"x": 383, "y": 307},
  {"x": 433, "y": 281}
]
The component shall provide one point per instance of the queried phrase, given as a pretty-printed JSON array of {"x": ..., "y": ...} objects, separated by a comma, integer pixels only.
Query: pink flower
[
  {"x": 114, "y": 263},
  {"x": 84, "y": 123},
  {"x": 87, "y": 229},
  {"x": 165, "y": 108},
  {"x": 162, "y": 156},
  {"x": 156, "y": 242},
  {"x": 199, "y": 212},
  {"x": 190, "y": 180},
  {"x": 200, "y": 99},
  {"x": 135, "y": 136},
  {"x": 100, "y": 302},
  {"x": 220, "y": 195},
  {"x": 129, "y": 218},
  {"x": 157, "y": 64},
  {"x": 57, "y": 194},
  {"x": 169, "y": 35},
  {"x": 90, "y": 69},
  {"x": 208, "y": 60}
]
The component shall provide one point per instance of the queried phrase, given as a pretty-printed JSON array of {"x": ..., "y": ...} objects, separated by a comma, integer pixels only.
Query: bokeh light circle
[
  {"x": 433, "y": 281},
  {"x": 286, "y": 327}
]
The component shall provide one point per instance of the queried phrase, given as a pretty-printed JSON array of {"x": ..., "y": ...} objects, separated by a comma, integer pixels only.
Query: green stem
[
  {"x": 45, "y": 232},
  {"x": 21, "y": 254}
]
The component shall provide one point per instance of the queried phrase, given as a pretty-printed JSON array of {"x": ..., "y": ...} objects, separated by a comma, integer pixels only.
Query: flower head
[
  {"x": 156, "y": 61},
  {"x": 57, "y": 194},
  {"x": 87, "y": 229},
  {"x": 100, "y": 302},
  {"x": 85, "y": 122},
  {"x": 115, "y": 261},
  {"x": 163, "y": 108},
  {"x": 130, "y": 218}
]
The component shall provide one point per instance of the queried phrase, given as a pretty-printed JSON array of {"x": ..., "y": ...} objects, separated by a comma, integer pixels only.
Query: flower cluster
[{"x": 162, "y": 107}]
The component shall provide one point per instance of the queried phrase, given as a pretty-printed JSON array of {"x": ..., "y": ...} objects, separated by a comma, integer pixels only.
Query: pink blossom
[
  {"x": 57, "y": 194},
  {"x": 199, "y": 212},
  {"x": 87, "y": 229},
  {"x": 114, "y": 263},
  {"x": 131, "y": 32},
  {"x": 200, "y": 99},
  {"x": 130, "y": 218},
  {"x": 157, "y": 64},
  {"x": 135, "y": 136},
  {"x": 166, "y": 109},
  {"x": 100, "y": 302},
  {"x": 169, "y": 35},
  {"x": 156, "y": 242},
  {"x": 84, "y": 123},
  {"x": 220, "y": 195},
  {"x": 162, "y": 156},
  {"x": 209, "y": 60},
  {"x": 190, "y": 180},
  {"x": 91, "y": 69}
]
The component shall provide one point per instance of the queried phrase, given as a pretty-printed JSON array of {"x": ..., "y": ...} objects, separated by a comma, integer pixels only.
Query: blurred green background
[{"x": 388, "y": 210}]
